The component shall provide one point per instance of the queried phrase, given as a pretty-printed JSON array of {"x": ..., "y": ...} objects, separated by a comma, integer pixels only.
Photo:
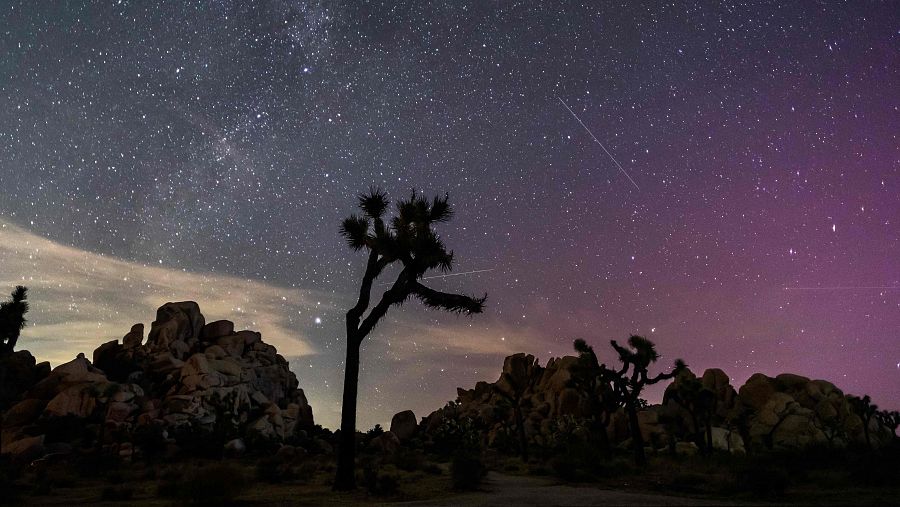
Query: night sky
[{"x": 154, "y": 151}]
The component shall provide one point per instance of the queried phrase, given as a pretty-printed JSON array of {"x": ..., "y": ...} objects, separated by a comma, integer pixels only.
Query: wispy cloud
[{"x": 81, "y": 299}]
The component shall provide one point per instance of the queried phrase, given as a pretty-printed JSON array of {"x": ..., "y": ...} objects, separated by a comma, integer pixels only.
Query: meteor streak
[
  {"x": 450, "y": 274},
  {"x": 598, "y": 142}
]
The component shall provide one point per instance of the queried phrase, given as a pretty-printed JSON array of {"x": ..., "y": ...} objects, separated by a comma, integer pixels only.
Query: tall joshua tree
[
  {"x": 12, "y": 318},
  {"x": 409, "y": 239},
  {"x": 629, "y": 381}
]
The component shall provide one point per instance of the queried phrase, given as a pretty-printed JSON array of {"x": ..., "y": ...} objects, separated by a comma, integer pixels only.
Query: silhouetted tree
[
  {"x": 890, "y": 419},
  {"x": 866, "y": 410},
  {"x": 629, "y": 381},
  {"x": 594, "y": 379},
  {"x": 410, "y": 240},
  {"x": 514, "y": 397},
  {"x": 700, "y": 403},
  {"x": 12, "y": 318}
]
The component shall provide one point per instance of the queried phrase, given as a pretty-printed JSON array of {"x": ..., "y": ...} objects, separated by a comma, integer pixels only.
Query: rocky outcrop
[
  {"x": 188, "y": 380},
  {"x": 784, "y": 412}
]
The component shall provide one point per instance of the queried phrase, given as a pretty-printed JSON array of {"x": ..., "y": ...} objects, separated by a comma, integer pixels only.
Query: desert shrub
[
  {"x": 306, "y": 471},
  {"x": 115, "y": 477},
  {"x": 467, "y": 470},
  {"x": 8, "y": 475},
  {"x": 409, "y": 460},
  {"x": 432, "y": 468},
  {"x": 564, "y": 468},
  {"x": 150, "y": 440},
  {"x": 273, "y": 469},
  {"x": 215, "y": 484},
  {"x": 762, "y": 479},
  {"x": 688, "y": 482},
  {"x": 513, "y": 465},
  {"x": 379, "y": 482},
  {"x": 116, "y": 493},
  {"x": 452, "y": 435},
  {"x": 875, "y": 468}
]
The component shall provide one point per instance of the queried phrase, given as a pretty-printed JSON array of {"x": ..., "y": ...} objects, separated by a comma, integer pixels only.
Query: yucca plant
[{"x": 408, "y": 238}]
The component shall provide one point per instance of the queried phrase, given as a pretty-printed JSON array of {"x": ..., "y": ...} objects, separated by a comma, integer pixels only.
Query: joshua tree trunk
[
  {"x": 637, "y": 439},
  {"x": 346, "y": 476},
  {"x": 709, "y": 442}
]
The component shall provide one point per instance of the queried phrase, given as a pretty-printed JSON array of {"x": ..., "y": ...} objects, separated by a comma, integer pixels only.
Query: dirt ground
[{"x": 512, "y": 490}]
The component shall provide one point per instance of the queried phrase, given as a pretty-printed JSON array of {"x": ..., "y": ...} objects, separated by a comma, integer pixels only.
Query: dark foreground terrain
[{"x": 816, "y": 476}]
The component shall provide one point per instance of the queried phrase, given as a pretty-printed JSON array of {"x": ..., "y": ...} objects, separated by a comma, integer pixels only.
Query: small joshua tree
[
  {"x": 866, "y": 410},
  {"x": 631, "y": 379},
  {"x": 513, "y": 393},
  {"x": 410, "y": 240},
  {"x": 593, "y": 379},
  {"x": 12, "y": 318},
  {"x": 700, "y": 403},
  {"x": 889, "y": 419}
]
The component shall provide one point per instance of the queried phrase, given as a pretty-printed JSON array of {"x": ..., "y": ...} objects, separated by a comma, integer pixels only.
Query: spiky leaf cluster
[{"x": 409, "y": 238}]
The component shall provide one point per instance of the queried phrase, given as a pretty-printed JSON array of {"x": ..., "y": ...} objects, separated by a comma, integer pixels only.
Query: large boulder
[
  {"x": 386, "y": 443},
  {"x": 404, "y": 425},
  {"x": 20, "y": 372},
  {"x": 25, "y": 449},
  {"x": 177, "y": 326},
  {"x": 755, "y": 393}
]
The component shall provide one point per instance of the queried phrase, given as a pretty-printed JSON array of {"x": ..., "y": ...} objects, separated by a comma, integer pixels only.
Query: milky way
[{"x": 225, "y": 140}]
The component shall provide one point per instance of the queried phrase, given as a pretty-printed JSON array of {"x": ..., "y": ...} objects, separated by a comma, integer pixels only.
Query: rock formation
[
  {"x": 189, "y": 380},
  {"x": 784, "y": 412}
]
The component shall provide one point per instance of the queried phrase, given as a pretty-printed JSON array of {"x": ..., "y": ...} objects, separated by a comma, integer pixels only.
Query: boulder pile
[
  {"x": 785, "y": 412},
  {"x": 189, "y": 380}
]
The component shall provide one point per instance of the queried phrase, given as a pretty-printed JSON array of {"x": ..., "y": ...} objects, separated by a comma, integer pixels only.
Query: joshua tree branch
[
  {"x": 365, "y": 288},
  {"x": 450, "y": 302},
  {"x": 662, "y": 376},
  {"x": 398, "y": 293}
]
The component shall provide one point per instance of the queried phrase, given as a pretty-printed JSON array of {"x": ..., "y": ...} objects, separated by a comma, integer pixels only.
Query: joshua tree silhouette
[
  {"x": 593, "y": 379},
  {"x": 866, "y": 410},
  {"x": 409, "y": 239},
  {"x": 629, "y": 381},
  {"x": 12, "y": 318},
  {"x": 700, "y": 403},
  {"x": 513, "y": 392}
]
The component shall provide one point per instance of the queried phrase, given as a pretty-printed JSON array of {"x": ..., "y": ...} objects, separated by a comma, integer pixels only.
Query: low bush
[
  {"x": 274, "y": 470},
  {"x": 467, "y": 470},
  {"x": 213, "y": 484},
  {"x": 116, "y": 493},
  {"x": 380, "y": 482}
]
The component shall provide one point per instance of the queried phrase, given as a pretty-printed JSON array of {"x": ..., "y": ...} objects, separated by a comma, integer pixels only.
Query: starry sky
[{"x": 742, "y": 211}]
